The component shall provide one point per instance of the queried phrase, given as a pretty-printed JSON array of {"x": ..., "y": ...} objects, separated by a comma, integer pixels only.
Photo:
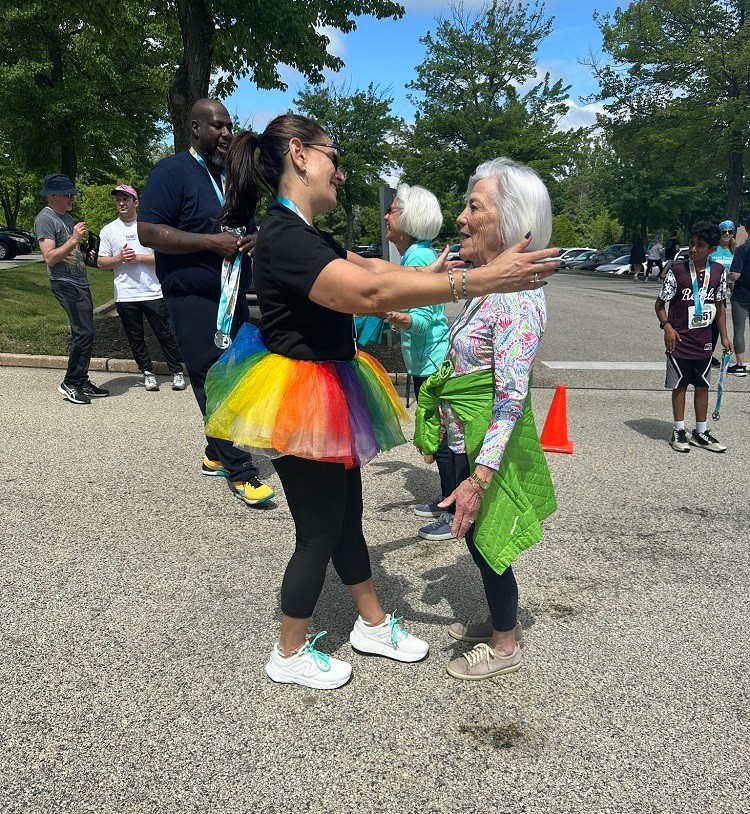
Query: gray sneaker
[
  {"x": 483, "y": 662},
  {"x": 479, "y": 630},
  {"x": 178, "y": 381},
  {"x": 149, "y": 381},
  {"x": 429, "y": 509},
  {"x": 439, "y": 529}
]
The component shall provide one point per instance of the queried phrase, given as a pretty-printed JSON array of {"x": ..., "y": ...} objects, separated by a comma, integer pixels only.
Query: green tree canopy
[
  {"x": 677, "y": 90},
  {"x": 362, "y": 124},
  {"x": 478, "y": 96},
  {"x": 81, "y": 86},
  {"x": 233, "y": 40}
]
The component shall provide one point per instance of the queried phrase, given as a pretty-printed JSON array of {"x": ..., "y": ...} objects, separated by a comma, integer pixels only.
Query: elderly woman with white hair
[
  {"x": 481, "y": 395},
  {"x": 413, "y": 221}
]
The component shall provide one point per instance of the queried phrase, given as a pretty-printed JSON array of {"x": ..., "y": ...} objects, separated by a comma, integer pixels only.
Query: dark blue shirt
[
  {"x": 179, "y": 193},
  {"x": 741, "y": 266}
]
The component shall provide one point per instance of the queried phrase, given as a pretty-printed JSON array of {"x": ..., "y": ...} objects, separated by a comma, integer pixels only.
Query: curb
[{"x": 106, "y": 365}]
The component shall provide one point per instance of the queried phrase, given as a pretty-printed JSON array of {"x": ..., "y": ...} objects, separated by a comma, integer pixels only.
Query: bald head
[{"x": 211, "y": 131}]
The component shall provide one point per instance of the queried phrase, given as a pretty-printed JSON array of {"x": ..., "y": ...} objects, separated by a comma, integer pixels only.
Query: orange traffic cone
[{"x": 554, "y": 437}]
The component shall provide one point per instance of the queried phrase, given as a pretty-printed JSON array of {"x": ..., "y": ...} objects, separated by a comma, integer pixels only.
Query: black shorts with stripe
[{"x": 682, "y": 372}]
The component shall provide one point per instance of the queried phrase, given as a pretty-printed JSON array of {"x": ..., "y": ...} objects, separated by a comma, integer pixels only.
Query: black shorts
[{"x": 682, "y": 372}]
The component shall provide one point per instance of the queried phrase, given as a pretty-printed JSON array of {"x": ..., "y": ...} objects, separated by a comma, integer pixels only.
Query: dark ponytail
[{"x": 255, "y": 165}]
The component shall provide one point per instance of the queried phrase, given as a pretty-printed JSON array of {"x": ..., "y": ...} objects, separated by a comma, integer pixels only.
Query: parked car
[
  {"x": 568, "y": 255},
  {"x": 581, "y": 261},
  {"x": 14, "y": 242},
  {"x": 682, "y": 255},
  {"x": 620, "y": 265}
]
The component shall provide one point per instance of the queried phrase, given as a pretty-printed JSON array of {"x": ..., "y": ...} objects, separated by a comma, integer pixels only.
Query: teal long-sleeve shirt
[{"x": 425, "y": 342}]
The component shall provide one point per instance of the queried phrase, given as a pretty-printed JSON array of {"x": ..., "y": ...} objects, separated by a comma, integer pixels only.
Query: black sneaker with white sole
[
  {"x": 737, "y": 370},
  {"x": 93, "y": 392},
  {"x": 73, "y": 394},
  {"x": 679, "y": 442},
  {"x": 705, "y": 440}
]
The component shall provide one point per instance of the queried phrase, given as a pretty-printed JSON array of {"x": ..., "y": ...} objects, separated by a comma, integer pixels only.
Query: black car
[{"x": 14, "y": 242}]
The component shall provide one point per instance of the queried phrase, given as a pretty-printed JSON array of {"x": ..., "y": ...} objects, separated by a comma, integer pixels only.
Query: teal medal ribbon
[
  {"x": 230, "y": 270},
  {"x": 699, "y": 296}
]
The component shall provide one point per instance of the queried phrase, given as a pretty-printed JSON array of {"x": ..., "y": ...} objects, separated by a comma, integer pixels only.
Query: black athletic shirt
[
  {"x": 288, "y": 258},
  {"x": 179, "y": 193},
  {"x": 741, "y": 265}
]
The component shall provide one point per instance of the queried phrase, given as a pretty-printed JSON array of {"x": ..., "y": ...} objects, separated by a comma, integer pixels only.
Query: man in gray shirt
[{"x": 59, "y": 240}]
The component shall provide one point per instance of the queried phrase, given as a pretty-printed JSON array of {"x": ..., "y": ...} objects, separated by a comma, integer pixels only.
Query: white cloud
[
  {"x": 580, "y": 115},
  {"x": 336, "y": 44}
]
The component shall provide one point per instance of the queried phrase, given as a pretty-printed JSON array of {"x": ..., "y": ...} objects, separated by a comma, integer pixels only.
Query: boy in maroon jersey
[{"x": 696, "y": 293}]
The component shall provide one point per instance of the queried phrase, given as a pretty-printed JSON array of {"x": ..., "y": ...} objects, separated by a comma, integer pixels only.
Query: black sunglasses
[
  {"x": 335, "y": 147},
  {"x": 727, "y": 231}
]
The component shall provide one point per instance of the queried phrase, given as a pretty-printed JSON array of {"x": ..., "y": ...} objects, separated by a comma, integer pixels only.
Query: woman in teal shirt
[{"x": 414, "y": 220}]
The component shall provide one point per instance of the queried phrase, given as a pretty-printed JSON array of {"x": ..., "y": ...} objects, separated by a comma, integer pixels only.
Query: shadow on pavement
[{"x": 652, "y": 428}]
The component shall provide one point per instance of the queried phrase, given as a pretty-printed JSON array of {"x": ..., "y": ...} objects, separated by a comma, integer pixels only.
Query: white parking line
[{"x": 605, "y": 365}]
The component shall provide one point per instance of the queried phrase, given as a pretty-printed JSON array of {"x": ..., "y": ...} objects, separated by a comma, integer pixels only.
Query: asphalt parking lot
[{"x": 140, "y": 600}]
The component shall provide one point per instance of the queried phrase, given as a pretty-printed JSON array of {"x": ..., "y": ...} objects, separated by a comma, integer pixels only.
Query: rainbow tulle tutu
[{"x": 342, "y": 412}]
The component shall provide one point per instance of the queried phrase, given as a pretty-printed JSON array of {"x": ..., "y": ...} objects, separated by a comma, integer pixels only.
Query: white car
[
  {"x": 620, "y": 265},
  {"x": 568, "y": 255}
]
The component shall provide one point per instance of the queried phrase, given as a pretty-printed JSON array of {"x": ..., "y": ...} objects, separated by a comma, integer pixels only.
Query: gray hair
[
  {"x": 419, "y": 213},
  {"x": 522, "y": 202}
]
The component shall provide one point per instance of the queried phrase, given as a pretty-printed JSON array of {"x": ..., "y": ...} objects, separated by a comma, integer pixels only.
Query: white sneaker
[
  {"x": 308, "y": 667},
  {"x": 149, "y": 380},
  {"x": 178, "y": 381},
  {"x": 388, "y": 639}
]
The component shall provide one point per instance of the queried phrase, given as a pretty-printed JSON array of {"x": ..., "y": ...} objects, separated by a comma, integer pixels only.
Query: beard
[{"x": 211, "y": 156}]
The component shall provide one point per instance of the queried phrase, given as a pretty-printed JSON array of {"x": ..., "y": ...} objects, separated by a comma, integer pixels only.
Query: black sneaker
[
  {"x": 93, "y": 392},
  {"x": 679, "y": 442},
  {"x": 737, "y": 370},
  {"x": 73, "y": 394},
  {"x": 715, "y": 362},
  {"x": 705, "y": 440}
]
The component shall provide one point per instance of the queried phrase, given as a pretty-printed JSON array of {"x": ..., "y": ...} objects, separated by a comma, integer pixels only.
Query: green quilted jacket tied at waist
[{"x": 520, "y": 494}]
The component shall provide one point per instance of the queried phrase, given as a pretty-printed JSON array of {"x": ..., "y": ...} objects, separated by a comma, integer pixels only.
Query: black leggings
[
  {"x": 501, "y": 590},
  {"x": 325, "y": 500}
]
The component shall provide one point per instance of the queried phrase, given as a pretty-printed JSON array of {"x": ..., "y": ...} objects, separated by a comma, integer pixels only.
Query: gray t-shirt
[{"x": 51, "y": 226}]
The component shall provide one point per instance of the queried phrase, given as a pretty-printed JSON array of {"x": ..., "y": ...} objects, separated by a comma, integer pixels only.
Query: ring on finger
[{"x": 535, "y": 279}]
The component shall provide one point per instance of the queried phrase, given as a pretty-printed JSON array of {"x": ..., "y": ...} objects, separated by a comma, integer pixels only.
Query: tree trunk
[
  {"x": 349, "y": 211},
  {"x": 191, "y": 79},
  {"x": 65, "y": 127},
  {"x": 735, "y": 178}
]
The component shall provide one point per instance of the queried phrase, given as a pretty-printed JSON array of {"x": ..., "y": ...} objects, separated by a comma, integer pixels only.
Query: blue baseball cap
[{"x": 726, "y": 224}]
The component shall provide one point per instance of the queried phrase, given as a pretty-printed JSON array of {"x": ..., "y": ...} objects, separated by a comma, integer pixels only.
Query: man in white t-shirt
[{"x": 137, "y": 291}]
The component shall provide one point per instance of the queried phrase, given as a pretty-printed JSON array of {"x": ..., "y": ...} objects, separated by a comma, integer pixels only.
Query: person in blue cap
[
  {"x": 59, "y": 240},
  {"x": 723, "y": 255}
]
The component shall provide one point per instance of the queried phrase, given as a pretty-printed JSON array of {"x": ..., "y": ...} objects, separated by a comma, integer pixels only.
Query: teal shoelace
[
  {"x": 322, "y": 660},
  {"x": 396, "y": 630}
]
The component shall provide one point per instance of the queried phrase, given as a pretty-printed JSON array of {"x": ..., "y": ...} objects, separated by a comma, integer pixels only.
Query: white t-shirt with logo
[{"x": 133, "y": 281}]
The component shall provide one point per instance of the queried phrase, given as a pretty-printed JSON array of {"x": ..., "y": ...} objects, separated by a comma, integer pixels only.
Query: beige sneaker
[
  {"x": 482, "y": 662},
  {"x": 479, "y": 630}
]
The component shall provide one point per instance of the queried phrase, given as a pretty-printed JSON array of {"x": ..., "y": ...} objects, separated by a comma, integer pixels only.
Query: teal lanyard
[
  {"x": 289, "y": 205},
  {"x": 230, "y": 270},
  {"x": 699, "y": 297}
]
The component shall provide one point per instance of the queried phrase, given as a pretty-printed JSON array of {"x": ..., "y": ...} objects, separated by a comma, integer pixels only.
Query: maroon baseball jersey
[{"x": 677, "y": 290}]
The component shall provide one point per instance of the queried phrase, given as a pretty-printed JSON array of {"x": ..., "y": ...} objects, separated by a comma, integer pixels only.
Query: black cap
[{"x": 57, "y": 184}]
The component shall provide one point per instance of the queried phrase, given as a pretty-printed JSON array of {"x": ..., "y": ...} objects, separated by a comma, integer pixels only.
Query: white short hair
[
  {"x": 522, "y": 201},
  {"x": 419, "y": 213}
]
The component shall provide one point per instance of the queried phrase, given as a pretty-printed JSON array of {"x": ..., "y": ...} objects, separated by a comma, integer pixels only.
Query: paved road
[
  {"x": 139, "y": 602},
  {"x": 21, "y": 260}
]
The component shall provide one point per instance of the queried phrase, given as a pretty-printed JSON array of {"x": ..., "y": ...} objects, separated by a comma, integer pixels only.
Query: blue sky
[{"x": 386, "y": 53}]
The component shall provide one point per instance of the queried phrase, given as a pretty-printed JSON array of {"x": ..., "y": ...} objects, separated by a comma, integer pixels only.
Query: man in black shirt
[
  {"x": 177, "y": 218},
  {"x": 739, "y": 274}
]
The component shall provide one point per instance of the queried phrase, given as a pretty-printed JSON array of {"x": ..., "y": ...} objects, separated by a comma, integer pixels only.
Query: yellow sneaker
[
  {"x": 213, "y": 468},
  {"x": 252, "y": 491}
]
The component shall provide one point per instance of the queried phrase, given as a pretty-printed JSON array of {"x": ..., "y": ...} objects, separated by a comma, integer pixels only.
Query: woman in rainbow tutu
[{"x": 300, "y": 391}]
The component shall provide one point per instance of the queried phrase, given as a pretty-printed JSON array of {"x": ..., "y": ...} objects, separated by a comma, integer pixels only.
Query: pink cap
[{"x": 126, "y": 189}]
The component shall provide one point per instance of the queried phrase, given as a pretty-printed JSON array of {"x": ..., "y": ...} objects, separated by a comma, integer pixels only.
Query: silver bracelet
[
  {"x": 464, "y": 293},
  {"x": 453, "y": 285}
]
